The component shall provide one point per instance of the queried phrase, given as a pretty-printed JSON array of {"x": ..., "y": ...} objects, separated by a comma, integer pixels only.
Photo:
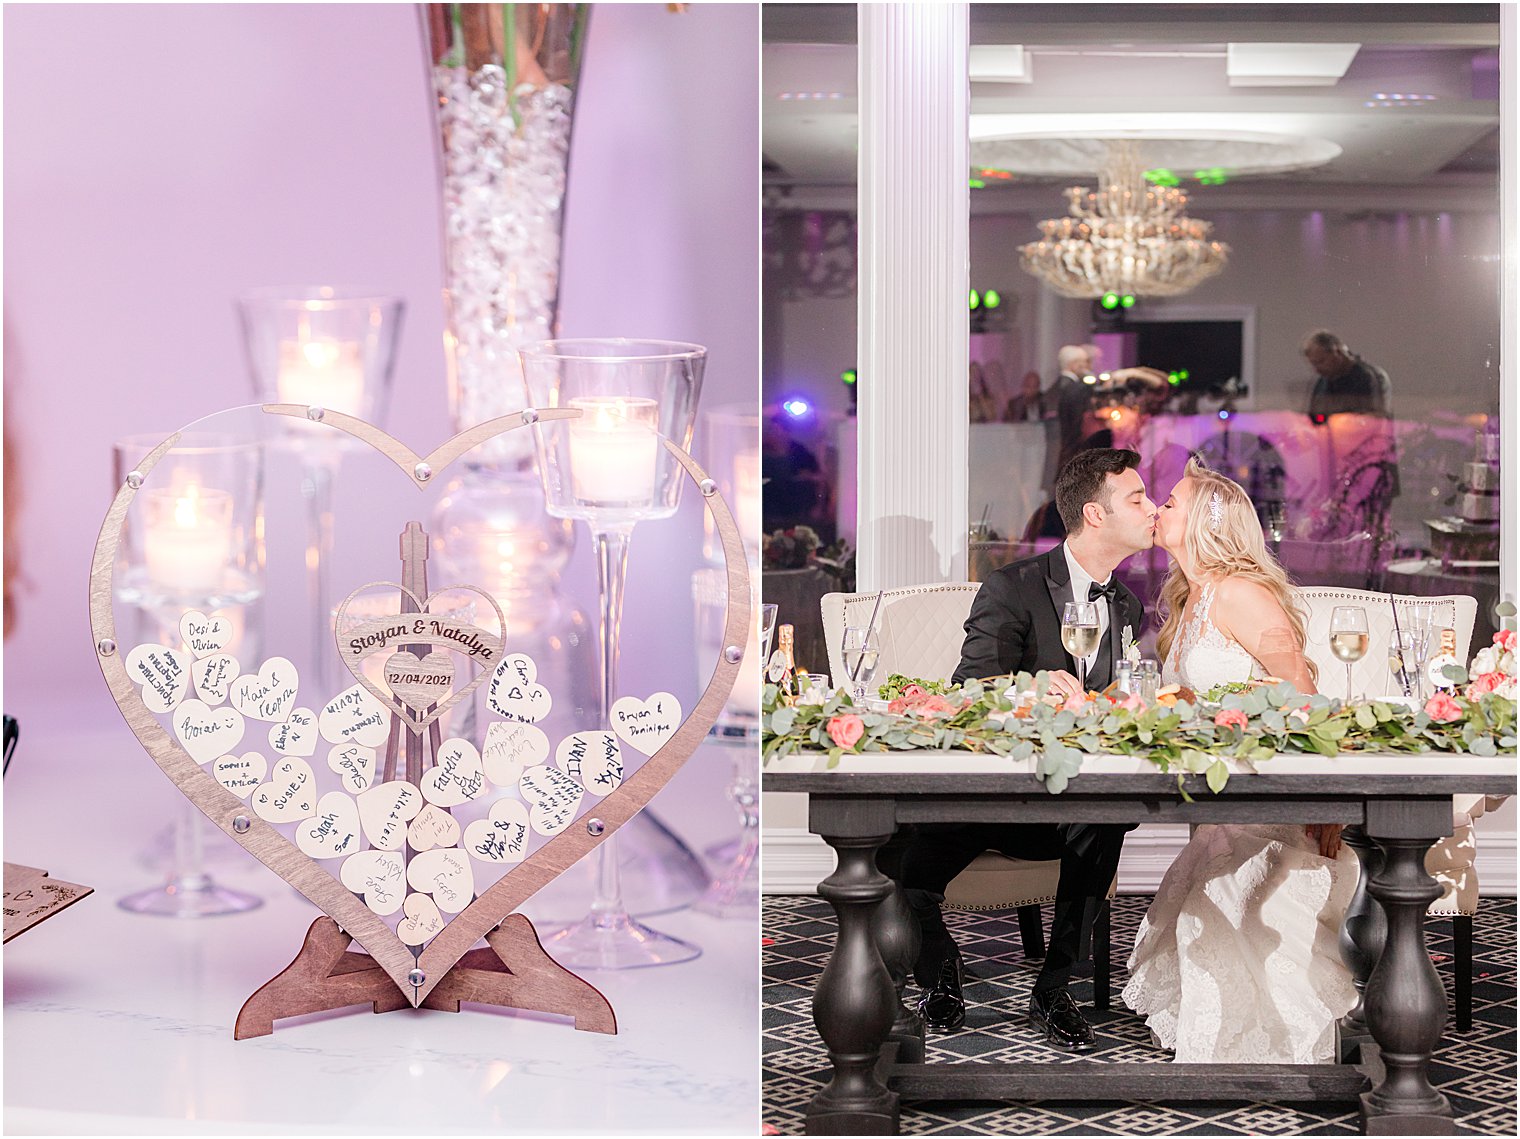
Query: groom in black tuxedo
[{"x": 1014, "y": 626}]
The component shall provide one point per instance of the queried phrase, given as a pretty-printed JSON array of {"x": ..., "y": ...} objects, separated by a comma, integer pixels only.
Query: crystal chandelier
[{"x": 1125, "y": 237}]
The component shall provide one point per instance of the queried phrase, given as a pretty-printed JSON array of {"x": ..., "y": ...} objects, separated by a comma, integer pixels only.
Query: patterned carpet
[{"x": 1476, "y": 1070}]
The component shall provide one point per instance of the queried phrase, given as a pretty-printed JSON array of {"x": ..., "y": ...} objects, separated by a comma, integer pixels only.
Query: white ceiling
[{"x": 1160, "y": 72}]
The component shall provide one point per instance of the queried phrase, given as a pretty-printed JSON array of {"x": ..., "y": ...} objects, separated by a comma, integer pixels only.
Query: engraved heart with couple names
[
  {"x": 309, "y": 794},
  {"x": 419, "y": 685}
]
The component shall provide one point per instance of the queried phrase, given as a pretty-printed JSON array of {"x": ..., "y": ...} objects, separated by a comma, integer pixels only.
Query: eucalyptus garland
[{"x": 1024, "y": 718}]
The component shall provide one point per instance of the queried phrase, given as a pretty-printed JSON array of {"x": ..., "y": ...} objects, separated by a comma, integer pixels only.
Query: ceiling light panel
[
  {"x": 1000, "y": 63},
  {"x": 1288, "y": 64}
]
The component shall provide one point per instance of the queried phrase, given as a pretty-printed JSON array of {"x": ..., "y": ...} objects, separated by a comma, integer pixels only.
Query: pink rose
[
  {"x": 846, "y": 731},
  {"x": 1231, "y": 718},
  {"x": 1133, "y": 702},
  {"x": 1505, "y": 639},
  {"x": 915, "y": 690},
  {"x": 1443, "y": 708},
  {"x": 1488, "y": 682}
]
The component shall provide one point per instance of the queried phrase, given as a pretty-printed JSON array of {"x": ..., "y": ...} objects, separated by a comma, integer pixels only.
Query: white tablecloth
[{"x": 118, "y": 1023}]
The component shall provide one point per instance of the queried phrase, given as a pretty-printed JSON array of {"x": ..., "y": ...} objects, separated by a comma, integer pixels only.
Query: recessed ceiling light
[
  {"x": 1000, "y": 63},
  {"x": 1288, "y": 64}
]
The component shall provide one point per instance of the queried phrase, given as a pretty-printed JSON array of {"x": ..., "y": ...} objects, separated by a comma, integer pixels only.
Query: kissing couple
[{"x": 1236, "y": 961}]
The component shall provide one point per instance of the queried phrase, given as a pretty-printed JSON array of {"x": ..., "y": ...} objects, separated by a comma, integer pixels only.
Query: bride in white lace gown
[{"x": 1236, "y": 961}]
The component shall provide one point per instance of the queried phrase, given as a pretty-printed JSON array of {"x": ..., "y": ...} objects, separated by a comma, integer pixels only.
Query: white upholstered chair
[
  {"x": 920, "y": 629},
  {"x": 1450, "y": 861}
]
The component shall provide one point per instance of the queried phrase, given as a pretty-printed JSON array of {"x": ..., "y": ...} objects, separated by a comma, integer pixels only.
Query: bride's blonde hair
[{"x": 1223, "y": 537}]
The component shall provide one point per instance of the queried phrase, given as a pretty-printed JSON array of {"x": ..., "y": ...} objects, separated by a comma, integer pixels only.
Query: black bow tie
[{"x": 1110, "y": 591}]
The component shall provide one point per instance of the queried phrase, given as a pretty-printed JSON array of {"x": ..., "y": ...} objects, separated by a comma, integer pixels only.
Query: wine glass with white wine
[
  {"x": 1348, "y": 638},
  {"x": 1079, "y": 634},
  {"x": 861, "y": 650}
]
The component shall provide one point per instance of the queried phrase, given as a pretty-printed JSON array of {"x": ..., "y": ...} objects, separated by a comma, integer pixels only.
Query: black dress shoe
[
  {"x": 942, "y": 1006},
  {"x": 1055, "y": 1014}
]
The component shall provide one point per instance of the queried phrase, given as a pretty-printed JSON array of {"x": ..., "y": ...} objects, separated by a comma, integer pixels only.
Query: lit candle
[
  {"x": 746, "y": 695},
  {"x": 613, "y": 450},
  {"x": 322, "y": 373},
  {"x": 187, "y": 538}
]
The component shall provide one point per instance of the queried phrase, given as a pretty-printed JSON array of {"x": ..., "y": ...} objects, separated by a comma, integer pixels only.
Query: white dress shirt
[{"x": 1080, "y": 581}]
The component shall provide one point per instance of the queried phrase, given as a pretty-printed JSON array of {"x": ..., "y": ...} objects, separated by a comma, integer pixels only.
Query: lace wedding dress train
[{"x": 1237, "y": 959}]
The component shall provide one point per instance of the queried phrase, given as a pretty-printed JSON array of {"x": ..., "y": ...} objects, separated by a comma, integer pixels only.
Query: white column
[
  {"x": 1509, "y": 365},
  {"x": 914, "y": 280}
]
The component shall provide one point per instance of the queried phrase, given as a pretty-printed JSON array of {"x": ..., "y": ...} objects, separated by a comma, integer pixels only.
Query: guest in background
[
  {"x": 1029, "y": 405},
  {"x": 795, "y": 490},
  {"x": 984, "y": 407},
  {"x": 1072, "y": 397},
  {"x": 1346, "y": 381}
]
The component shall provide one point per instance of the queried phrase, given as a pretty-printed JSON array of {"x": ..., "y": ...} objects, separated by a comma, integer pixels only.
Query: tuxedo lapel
[{"x": 1058, "y": 584}]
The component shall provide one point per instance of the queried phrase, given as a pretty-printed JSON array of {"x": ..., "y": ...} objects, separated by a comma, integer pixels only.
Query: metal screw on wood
[
  {"x": 134, "y": 479},
  {"x": 733, "y": 654},
  {"x": 105, "y": 647},
  {"x": 416, "y": 978},
  {"x": 423, "y": 472},
  {"x": 595, "y": 827},
  {"x": 241, "y": 823},
  {"x": 708, "y": 488},
  {"x": 315, "y": 413},
  {"x": 530, "y": 415}
]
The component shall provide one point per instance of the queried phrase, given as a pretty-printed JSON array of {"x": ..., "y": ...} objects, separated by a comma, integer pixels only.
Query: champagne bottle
[
  {"x": 782, "y": 669},
  {"x": 1443, "y": 660}
]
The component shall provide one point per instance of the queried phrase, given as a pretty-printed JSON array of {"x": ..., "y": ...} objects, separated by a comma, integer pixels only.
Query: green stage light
[
  {"x": 992, "y": 298},
  {"x": 978, "y": 184},
  {"x": 848, "y": 375},
  {"x": 1128, "y": 301},
  {"x": 976, "y": 299},
  {"x": 1110, "y": 301},
  {"x": 1183, "y": 374}
]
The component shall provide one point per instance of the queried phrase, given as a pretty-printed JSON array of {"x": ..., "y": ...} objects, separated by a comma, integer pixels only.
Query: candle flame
[
  {"x": 320, "y": 353},
  {"x": 186, "y": 512}
]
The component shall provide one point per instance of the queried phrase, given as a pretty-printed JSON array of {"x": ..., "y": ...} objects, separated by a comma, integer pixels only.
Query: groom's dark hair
[{"x": 1084, "y": 479}]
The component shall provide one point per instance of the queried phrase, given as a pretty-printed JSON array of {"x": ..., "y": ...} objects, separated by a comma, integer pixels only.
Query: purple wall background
[{"x": 160, "y": 160}]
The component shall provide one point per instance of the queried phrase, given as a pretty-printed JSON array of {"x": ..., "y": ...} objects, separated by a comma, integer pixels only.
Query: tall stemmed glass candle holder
[
  {"x": 191, "y": 543},
  {"x": 730, "y": 438},
  {"x": 325, "y": 349},
  {"x": 608, "y": 467}
]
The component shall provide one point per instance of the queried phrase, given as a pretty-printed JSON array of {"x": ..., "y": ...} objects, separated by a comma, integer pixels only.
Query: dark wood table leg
[
  {"x": 1404, "y": 1003},
  {"x": 1363, "y": 934},
  {"x": 897, "y": 940},
  {"x": 855, "y": 1002}
]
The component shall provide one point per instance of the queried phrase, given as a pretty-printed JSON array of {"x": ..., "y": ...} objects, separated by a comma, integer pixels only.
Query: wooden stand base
[{"x": 514, "y": 972}]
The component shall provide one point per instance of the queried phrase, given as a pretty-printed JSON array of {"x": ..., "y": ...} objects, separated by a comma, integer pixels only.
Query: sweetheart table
[{"x": 1393, "y": 806}]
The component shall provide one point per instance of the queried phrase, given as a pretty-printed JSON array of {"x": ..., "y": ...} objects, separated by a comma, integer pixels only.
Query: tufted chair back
[{"x": 920, "y": 628}]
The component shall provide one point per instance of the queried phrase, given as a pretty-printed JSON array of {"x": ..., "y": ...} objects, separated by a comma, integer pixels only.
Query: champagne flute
[
  {"x": 1079, "y": 634},
  {"x": 1421, "y": 624},
  {"x": 767, "y": 630},
  {"x": 1348, "y": 638},
  {"x": 861, "y": 651}
]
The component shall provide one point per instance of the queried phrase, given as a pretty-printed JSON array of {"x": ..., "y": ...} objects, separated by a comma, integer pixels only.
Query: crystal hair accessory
[{"x": 1216, "y": 510}]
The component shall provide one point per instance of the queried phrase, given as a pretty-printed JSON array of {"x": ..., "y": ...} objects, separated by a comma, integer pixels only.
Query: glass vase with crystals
[{"x": 504, "y": 77}]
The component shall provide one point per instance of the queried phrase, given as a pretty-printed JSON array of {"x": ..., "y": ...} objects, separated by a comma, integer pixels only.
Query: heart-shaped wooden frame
[
  {"x": 418, "y": 721},
  {"x": 272, "y": 848}
]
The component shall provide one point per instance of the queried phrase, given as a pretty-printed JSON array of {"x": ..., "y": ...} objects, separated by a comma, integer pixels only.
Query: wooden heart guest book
[{"x": 415, "y": 826}]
